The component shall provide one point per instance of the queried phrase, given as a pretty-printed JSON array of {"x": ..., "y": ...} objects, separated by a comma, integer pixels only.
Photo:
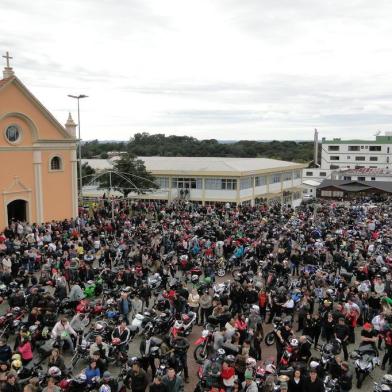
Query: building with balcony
[{"x": 215, "y": 179}]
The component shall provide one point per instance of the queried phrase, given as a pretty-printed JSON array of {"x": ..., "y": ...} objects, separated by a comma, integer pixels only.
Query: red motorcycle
[{"x": 203, "y": 346}]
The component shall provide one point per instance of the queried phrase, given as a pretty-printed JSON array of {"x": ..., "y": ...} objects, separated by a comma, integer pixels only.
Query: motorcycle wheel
[
  {"x": 269, "y": 339},
  {"x": 74, "y": 360},
  {"x": 221, "y": 272},
  {"x": 360, "y": 379},
  {"x": 201, "y": 353}
]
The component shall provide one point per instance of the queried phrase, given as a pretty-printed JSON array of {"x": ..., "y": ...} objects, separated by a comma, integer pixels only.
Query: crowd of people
[{"x": 311, "y": 276}]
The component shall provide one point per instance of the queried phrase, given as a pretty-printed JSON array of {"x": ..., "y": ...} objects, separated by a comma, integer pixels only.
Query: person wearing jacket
[
  {"x": 137, "y": 378},
  {"x": 5, "y": 351},
  {"x": 63, "y": 330},
  {"x": 249, "y": 385},
  {"x": 346, "y": 378},
  {"x": 92, "y": 373},
  {"x": 173, "y": 382},
  {"x": 25, "y": 350}
]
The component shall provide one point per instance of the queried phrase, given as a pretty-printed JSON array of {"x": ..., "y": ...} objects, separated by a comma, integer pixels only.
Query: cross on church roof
[{"x": 8, "y": 58}]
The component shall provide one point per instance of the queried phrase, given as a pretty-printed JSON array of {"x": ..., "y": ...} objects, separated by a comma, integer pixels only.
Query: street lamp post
[{"x": 79, "y": 97}]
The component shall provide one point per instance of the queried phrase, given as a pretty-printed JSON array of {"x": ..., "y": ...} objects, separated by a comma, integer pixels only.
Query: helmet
[
  {"x": 251, "y": 362},
  {"x": 16, "y": 357},
  {"x": 104, "y": 388},
  {"x": 270, "y": 368},
  {"x": 294, "y": 343},
  {"x": 230, "y": 358},
  {"x": 194, "y": 278},
  {"x": 81, "y": 378},
  {"x": 116, "y": 341},
  {"x": 255, "y": 309},
  {"x": 178, "y": 324},
  {"x": 126, "y": 289},
  {"x": 16, "y": 309},
  {"x": 33, "y": 328},
  {"x": 221, "y": 352},
  {"x": 313, "y": 364},
  {"x": 16, "y": 364},
  {"x": 106, "y": 374},
  {"x": 154, "y": 351},
  {"x": 133, "y": 360},
  {"x": 99, "y": 327},
  {"x": 54, "y": 371}
]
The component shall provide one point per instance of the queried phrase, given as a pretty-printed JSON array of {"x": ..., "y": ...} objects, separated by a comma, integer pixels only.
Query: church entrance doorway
[{"x": 17, "y": 210}]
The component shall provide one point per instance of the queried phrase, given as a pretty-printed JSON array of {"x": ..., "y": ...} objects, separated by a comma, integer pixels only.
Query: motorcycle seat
[{"x": 366, "y": 349}]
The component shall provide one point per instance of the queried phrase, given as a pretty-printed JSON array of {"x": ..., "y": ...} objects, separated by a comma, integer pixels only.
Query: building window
[
  {"x": 326, "y": 193},
  {"x": 359, "y": 158},
  {"x": 375, "y": 148},
  {"x": 296, "y": 195},
  {"x": 246, "y": 183},
  {"x": 361, "y": 178},
  {"x": 186, "y": 183},
  {"x": 323, "y": 174},
  {"x": 361, "y": 147},
  {"x": 334, "y": 167},
  {"x": 275, "y": 179},
  {"x": 13, "y": 134},
  {"x": 229, "y": 184},
  {"x": 337, "y": 194},
  {"x": 162, "y": 182},
  {"x": 373, "y": 159},
  {"x": 348, "y": 157},
  {"x": 373, "y": 178},
  {"x": 309, "y": 173},
  {"x": 353, "y": 148},
  {"x": 297, "y": 174},
  {"x": 287, "y": 176},
  {"x": 55, "y": 164},
  {"x": 387, "y": 150},
  {"x": 359, "y": 167},
  {"x": 259, "y": 181},
  {"x": 347, "y": 178},
  {"x": 333, "y": 148},
  {"x": 335, "y": 158}
]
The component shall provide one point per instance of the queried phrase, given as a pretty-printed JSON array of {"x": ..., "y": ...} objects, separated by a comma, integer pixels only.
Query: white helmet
[
  {"x": 54, "y": 371},
  {"x": 270, "y": 368},
  {"x": 178, "y": 324},
  {"x": 251, "y": 362},
  {"x": 255, "y": 309},
  {"x": 294, "y": 342}
]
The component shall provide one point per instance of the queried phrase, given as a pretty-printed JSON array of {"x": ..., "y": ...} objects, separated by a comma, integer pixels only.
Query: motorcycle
[
  {"x": 366, "y": 360},
  {"x": 10, "y": 321},
  {"x": 203, "y": 346},
  {"x": 270, "y": 338},
  {"x": 185, "y": 325},
  {"x": 385, "y": 384}
]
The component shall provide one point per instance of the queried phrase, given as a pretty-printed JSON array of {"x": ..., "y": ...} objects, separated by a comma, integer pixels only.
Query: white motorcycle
[{"x": 366, "y": 360}]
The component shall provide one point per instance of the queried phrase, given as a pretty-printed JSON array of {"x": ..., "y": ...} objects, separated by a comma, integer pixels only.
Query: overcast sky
[{"x": 224, "y": 69}]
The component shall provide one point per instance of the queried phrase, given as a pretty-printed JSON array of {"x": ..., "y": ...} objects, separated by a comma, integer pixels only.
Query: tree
[
  {"x": 128, "y": 175},
  {"x": 87, "y": 173}
]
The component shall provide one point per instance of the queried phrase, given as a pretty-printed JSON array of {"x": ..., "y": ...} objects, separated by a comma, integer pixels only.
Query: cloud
[{"x": 208, "y": 69}]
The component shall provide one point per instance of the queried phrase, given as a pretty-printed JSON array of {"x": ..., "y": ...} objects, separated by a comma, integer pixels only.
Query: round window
[{"x": 12, "y": 133}]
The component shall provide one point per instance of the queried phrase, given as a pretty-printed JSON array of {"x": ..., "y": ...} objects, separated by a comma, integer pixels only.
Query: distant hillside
[{"x": 144, "y": 144}]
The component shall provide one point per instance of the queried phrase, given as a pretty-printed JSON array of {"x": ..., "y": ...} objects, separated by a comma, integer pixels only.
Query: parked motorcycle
[{"x": 366, "y": 360}]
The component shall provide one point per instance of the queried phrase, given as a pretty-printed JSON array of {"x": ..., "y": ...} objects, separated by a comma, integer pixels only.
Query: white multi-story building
[
  {"x": 338, "y": 154},
  {"x": 210, "y": 179}
]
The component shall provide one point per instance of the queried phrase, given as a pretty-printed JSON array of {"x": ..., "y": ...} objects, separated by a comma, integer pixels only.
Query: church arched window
[{"x": 55, "y": 163}]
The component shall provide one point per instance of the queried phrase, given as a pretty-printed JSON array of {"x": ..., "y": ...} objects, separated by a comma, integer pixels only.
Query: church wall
[
  {"x": 58, "y": 200},
  {"x": 16, "y": 164},
  {"x": 15, "y": 101}
]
